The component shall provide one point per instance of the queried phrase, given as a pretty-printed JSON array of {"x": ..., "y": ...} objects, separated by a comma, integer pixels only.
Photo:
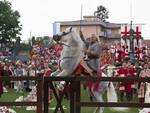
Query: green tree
[
  {"x": 10, "y": 26},
  {"x": 39, "y": 40},
  {"x": 102, "y": 13},
  {"x": 25, "y": 46}
]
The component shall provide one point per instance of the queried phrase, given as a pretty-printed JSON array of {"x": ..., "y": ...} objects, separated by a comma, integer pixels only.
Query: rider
[{"x": 92, "y": 52}]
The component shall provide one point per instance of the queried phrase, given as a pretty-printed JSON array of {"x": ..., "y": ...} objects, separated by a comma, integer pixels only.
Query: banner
[{"x": 125, "y": 28}]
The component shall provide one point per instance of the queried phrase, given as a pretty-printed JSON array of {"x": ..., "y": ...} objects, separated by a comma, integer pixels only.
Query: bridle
[{"x": 58, "y": 37}]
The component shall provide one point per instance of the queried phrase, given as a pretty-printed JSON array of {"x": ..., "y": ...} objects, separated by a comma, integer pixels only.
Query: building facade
[{"x": 108, "y": 33}]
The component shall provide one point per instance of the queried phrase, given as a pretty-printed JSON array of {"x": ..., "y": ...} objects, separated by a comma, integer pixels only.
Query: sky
[{"x": 38, "y": 16}]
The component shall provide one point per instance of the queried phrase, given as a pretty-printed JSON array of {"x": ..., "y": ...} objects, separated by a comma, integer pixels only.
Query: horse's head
[
  {"x": 72, "y": 52},
  {"x": 61, "y": 37}
]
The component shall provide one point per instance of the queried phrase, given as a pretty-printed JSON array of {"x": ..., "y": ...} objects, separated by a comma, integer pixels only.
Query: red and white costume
[
  {"x": 126, "y": 52},
  {"x": 137, "y": 53},
  {"x": 130, "y": 85},
  {"x": 122, "y": 72},
  {"x": 106, "y": 58},
  {"x": 119, "y": 55},
  {"x": 126, "y": 72},
  {"x": 47, "y": 72}
]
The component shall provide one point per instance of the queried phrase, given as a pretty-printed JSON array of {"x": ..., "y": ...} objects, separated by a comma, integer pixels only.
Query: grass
[
  {"x": 85, "y": 97},
  {"x": 12, "y": 95}
]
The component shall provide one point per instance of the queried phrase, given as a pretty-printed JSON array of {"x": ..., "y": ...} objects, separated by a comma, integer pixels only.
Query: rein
[{"x": 63, "y": 44}]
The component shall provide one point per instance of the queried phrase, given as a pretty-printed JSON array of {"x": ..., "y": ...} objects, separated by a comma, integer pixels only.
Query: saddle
[{"x": 84, "y": 69}]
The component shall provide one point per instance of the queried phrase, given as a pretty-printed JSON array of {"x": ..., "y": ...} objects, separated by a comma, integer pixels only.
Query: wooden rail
[
  {"x": 75, "y": 100},
  {"x": 75, "y": 97},
  {"x": 38, "y": 104}
]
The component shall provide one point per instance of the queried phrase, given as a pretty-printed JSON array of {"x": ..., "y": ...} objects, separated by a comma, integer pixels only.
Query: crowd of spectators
[{"x": 44, "y": 60}]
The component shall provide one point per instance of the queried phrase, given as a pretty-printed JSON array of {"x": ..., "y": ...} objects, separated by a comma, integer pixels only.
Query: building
[{"x": 108, "y": 33}]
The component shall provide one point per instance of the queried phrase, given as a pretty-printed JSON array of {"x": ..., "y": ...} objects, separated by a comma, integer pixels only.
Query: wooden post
[
  {"x": 77, "y": 95},
  {"x": 46, "y": 97},
  {"x": 39, "y": 95},
  {"x": 72, "y": 97}
]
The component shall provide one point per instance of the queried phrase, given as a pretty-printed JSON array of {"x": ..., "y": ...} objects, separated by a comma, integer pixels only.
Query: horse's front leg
[
  {"x": 96, "y": 110},
  {"x": 60, "y": 86},
  {"x": 63, "y": 73},
  {"x": 55, "y": 73}
]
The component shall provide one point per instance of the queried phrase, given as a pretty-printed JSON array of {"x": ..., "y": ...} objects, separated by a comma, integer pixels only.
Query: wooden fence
[
  {"x": 38, "y": 104},
  {"x": 75, "y": 98}
]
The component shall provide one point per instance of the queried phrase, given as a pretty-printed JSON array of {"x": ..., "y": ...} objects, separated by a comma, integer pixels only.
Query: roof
[
  {"x": 85, "y": 23},
  {"x": 112, "y": 25},
  {"x": 90, "y": 20}
]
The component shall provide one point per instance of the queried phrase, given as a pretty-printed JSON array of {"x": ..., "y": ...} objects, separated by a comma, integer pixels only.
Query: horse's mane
[
  {"x": 74, "y": 42},
  {"x": 76, "y": 36}
]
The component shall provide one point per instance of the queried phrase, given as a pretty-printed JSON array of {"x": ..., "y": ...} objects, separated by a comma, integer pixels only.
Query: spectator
[
  {"x": 145, "y": 72},
  {"x": 19, "y": 72},
  {"x": 7, "y": 73},
  {"x": 122, "y": 72},
  {"x": 130, "y": 86}
]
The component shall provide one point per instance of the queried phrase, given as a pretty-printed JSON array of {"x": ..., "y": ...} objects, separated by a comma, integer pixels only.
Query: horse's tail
[
  {"x": 111, "y": 93},
  {"x": 112, "y": 97},
  {"x": 147, "y": 96}
]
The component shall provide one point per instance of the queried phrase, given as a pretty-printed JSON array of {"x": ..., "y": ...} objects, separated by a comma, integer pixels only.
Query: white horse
[{"x": 71, "y": 56}]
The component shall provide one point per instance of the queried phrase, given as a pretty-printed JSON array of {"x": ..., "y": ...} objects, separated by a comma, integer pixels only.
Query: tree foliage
[
  {"x": 39, "y": 40},
  {"x": 102, "y": 13},
  {"x": 10, "y": 26}
]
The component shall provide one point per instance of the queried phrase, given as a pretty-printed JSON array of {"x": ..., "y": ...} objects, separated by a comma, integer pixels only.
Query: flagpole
[
  {"x": 131, "y": 6},
  {"x": 81, "y": 18}
]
